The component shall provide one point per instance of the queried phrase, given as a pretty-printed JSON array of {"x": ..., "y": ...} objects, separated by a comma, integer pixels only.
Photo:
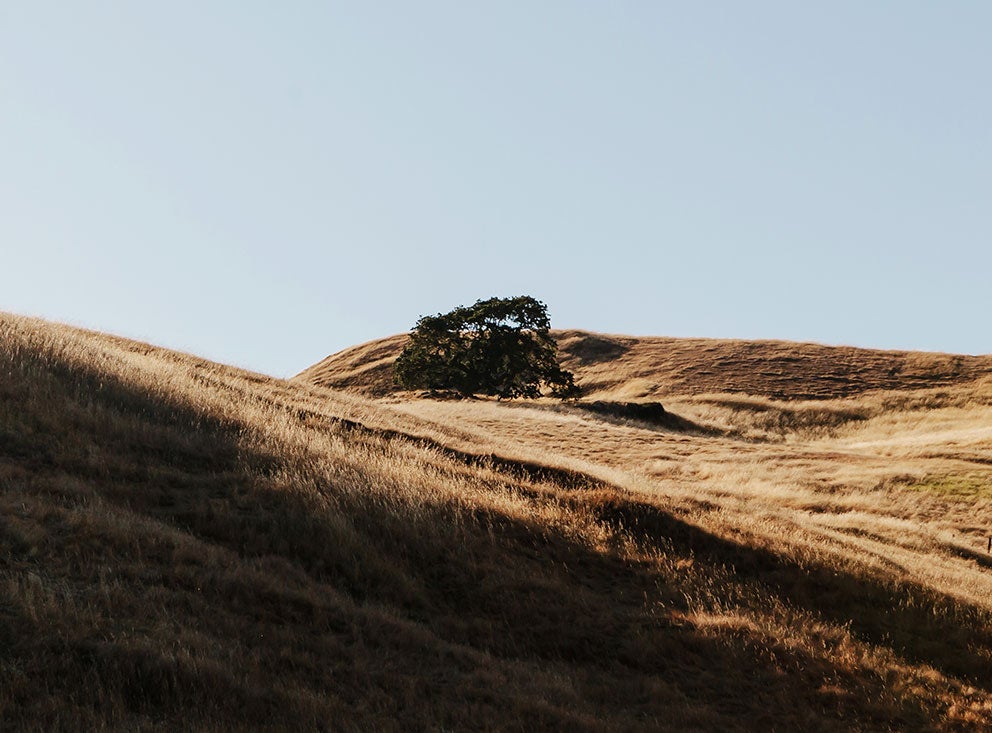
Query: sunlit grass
[{"x": 965, "y": 487}]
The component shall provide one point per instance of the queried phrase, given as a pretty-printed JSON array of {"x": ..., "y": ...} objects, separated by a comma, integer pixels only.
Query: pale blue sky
[{"x": 264, "y": 183}]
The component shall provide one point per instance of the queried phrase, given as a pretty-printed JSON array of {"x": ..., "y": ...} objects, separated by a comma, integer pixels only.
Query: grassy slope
[
  {"x": 634, "y": 368},
  {"x": 190, "y": 545}
]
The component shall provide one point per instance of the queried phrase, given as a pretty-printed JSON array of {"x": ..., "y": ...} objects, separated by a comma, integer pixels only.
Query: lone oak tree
[{"x": 500, "y": 347}]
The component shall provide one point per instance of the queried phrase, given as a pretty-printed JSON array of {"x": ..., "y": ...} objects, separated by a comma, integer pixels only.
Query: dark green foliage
[{"x": 499, "y": 346}]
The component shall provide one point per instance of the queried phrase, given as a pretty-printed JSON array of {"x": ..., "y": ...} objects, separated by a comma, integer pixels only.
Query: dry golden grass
[
  {"x": 647, "y": 368},
  {"x": 191, "y": 546}
]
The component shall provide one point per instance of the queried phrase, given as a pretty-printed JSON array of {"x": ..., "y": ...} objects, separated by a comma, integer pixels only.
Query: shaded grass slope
[{"x": 188, "y": 546}]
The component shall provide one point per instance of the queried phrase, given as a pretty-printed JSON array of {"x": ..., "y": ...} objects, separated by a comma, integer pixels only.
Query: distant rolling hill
[
  {"x": 189, "y": 546},
  {"x": 648, "y": 368}
]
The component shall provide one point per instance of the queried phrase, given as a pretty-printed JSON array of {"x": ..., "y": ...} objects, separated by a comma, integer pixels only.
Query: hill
[
  {"x": 649, "y": 368},
  {"x": 191, "y": 546}
]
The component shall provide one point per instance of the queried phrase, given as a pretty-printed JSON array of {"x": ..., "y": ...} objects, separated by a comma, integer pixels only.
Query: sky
[{"x": 266, "y": 183}]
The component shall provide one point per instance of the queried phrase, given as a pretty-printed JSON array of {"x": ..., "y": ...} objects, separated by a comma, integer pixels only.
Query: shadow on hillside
[
  {"x": 921, "y": 624},
  {"x": 512, "y": 589},
  {"x": 651, "y": 415},
  {"x": 593, "y": 349}
]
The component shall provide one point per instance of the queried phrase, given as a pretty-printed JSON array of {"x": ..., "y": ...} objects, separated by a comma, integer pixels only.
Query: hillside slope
[
  {"x": 627, "y": 367},
  {"x": 190, "y": 546}
]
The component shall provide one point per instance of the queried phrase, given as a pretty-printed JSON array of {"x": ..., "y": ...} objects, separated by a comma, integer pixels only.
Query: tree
[{"x": 499, "y": 346}]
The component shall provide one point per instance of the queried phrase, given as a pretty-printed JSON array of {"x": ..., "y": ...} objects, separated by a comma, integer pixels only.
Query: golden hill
[
  {"x": 637, "y": 368},
  {"x": 191, "y": 546}
]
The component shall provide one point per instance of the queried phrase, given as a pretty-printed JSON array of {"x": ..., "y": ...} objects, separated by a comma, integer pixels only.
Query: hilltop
[
  {"x": 187, "y": 545},
  {"x": 649, "y": 368}
]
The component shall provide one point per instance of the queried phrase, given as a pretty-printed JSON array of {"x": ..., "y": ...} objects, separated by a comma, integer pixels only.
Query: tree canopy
[{"x": 500, "y": 347}]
